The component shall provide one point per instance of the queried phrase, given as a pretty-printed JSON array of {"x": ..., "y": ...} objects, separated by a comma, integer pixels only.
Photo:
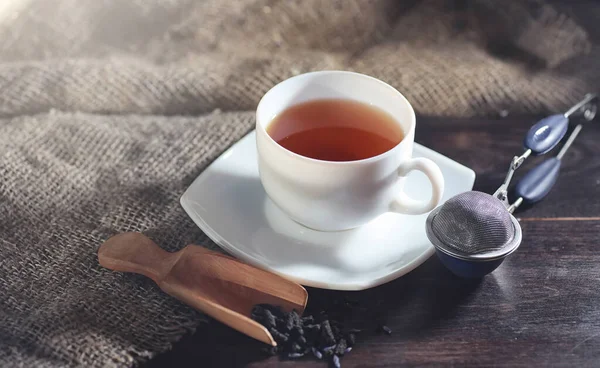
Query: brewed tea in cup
[
  {"x": 335, "y": 130},
  {"x": 334, "y": 149}
]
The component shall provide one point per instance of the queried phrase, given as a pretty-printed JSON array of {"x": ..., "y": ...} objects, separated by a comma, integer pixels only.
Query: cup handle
[{"x": 403, "y": 203}]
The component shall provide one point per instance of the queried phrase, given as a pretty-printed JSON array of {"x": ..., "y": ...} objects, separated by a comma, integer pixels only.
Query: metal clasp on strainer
[{"x": 541, "y": 138}]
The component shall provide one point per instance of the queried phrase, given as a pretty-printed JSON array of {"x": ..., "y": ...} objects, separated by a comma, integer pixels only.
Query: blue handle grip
[
  {"x": 536, "y": 184},
  {"x": 546, "y": 134}
]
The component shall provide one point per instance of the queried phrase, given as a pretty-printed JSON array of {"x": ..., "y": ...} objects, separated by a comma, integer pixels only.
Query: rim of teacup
[{"x": 407, "y": 133}]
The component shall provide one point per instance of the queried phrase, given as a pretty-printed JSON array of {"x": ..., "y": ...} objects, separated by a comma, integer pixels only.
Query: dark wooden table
[{"x": 541, "y": 308}]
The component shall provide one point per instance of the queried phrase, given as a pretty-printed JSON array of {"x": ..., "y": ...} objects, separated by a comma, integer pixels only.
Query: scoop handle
[{"x": 130, "y": 252}]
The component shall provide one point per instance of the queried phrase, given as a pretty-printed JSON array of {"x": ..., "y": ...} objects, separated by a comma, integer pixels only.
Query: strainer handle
[{"x": 407, "y": 205}]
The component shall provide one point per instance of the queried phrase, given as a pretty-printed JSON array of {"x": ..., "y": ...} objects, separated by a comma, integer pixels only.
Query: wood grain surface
[{"x": 540, "y": 308}]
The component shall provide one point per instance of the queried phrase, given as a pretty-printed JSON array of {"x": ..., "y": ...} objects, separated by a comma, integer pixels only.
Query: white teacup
[{"x": 334, "y": 195}]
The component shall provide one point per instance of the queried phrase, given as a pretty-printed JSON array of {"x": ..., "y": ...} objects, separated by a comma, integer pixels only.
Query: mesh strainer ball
[{"x": 473, "y": 226}]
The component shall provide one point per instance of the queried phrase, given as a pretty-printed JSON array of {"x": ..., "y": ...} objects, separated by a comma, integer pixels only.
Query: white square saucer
[{"x": 228, "y": 203}]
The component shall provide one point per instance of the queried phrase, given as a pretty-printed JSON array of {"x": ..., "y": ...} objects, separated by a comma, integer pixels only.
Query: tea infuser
[{"x": 473, "y": 232}]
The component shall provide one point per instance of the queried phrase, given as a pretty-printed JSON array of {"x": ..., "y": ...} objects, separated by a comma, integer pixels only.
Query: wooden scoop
[{"x": 220, "y": 286}]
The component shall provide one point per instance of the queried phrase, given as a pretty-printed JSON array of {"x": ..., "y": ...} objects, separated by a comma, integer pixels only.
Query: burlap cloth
[{"x": 109, "y": 109}]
